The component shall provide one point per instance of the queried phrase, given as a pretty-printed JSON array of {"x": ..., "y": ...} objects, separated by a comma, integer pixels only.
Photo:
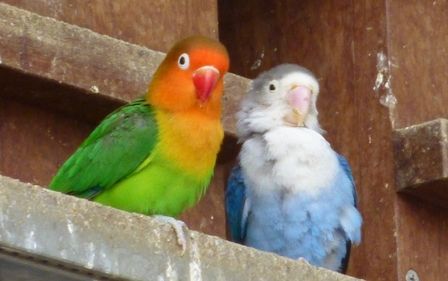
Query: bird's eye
[
  {"x": 184, "y": 61},
  {"x": 273, "y": 86}
]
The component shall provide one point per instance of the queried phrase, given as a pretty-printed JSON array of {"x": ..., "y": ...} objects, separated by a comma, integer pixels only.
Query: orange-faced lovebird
[
  {"x": 290, "y": 193},
  {"x": 156, "y": 155}
]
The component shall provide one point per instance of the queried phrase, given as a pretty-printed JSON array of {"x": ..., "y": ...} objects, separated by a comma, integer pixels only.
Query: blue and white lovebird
[{"x": 290, "y": 193}]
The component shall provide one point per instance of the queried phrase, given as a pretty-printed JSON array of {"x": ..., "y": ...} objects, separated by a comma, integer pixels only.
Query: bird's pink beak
[
  {"x": 299, "y": 98},
  {"x": 205, "y": 79}
]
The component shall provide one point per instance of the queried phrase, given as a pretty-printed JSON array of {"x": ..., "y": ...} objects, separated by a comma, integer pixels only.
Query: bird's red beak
[{"x": 204, "y": 79}]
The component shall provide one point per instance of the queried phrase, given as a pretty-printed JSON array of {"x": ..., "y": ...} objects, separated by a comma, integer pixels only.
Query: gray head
[{"x": 285, "y": 95}]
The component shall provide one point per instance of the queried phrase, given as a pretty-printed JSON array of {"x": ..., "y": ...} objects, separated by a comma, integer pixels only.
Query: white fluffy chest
[{"x": 290, "y": 160}]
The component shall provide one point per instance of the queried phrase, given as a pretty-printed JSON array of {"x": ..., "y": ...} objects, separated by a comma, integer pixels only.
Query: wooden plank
[
  {"x": 338, "y": 41},
  {"x": 419, "y": 55},
  {"x": 156, "y": 24},
  {"x": 371, "y": 142},
  {"x": 83, "y": 59},
  {"x": 422, "y": 235},
  {"x": 421, "y": 160}
]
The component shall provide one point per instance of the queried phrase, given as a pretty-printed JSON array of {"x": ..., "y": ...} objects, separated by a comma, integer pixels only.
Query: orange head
[{"x": 190, "y": 76}]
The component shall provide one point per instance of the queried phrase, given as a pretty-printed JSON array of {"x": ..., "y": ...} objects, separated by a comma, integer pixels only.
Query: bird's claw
[
  {"x": 178, "y": 227},
  {"x": 301, "y": 259}
]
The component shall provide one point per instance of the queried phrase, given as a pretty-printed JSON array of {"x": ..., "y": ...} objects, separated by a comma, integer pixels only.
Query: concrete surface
[{"x": 105, "y": 241}]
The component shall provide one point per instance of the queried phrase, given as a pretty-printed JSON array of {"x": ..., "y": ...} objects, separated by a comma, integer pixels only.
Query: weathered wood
[
  {"x": 422, "y": 238},
  {"x": 419, "y": 67},
  {"x": 421, "y": 168},
  {"x": 58, "y": 81},
  {"x": 156, "y": 24},
  {"x": 421, "y": 160},
  {"x": 84, "y": 59},
  {"x": 418, "y": 51},
  {"x": 371, "y": 143},
  {"x": 417, "y": 43}
]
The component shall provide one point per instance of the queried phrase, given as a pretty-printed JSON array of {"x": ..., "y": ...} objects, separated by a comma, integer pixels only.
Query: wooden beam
[
  {"x": 155, "y": 24},
  {"x": 418, "y": 55},
  {"x": 97, "y": 64},
  {"x": 421, "y": 160}
]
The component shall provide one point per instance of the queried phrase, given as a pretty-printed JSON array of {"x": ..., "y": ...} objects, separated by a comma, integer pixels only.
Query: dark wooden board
[
  {"x": 96, "y": 64},
  {"x": 421, "y": 160},
  {"x": 156, "y": 24},
  {"x": 418, "y": 50},
  {"x": 422, "y": 235}
]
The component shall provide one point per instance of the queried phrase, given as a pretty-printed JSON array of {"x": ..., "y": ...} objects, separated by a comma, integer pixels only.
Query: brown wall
[
  {"x": 418, "y": 49},
  {"x": 156, "y": 24}
]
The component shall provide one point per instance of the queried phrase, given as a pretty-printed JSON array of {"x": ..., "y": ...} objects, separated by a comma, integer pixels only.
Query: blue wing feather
[
  {"x": 348, "y": 171},
  {"x": 235, "y": 201}
]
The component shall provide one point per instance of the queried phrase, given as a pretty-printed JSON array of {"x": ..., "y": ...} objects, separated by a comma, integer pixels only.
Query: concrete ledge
[
  {"x": 95, "y": 63},
  {"x": 117, "y": 244}
]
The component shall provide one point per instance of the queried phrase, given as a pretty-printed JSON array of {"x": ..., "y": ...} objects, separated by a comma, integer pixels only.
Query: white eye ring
[
  {"x": 273, "y": 86},
  {"x": 184, "y": 61}
]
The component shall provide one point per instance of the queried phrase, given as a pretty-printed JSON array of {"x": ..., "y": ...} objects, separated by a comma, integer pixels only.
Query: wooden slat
[
  {"x": 156, "y": 24},
  {"x": 87, "y": 60},
  {"x": 371, "y": 142},
  {"x": 422, "y": 236},
  {"x": 421, "y": 160},
  {"x": 418, "y": 50}
]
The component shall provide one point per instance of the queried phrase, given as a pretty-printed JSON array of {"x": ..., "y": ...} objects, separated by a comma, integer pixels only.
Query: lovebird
[
  {"x": 156, "y": 155},
  {"x": 290, "y": 193}
]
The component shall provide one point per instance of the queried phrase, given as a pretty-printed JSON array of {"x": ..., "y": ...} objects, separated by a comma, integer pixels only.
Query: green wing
[{"x": 120, "y": 143}]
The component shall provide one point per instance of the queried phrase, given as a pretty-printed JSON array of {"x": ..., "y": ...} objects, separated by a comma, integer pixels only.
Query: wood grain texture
[
  {"x": 421, "y": 160},
  {"x": 418, "y": 50},
  {"x": 371, "y": 142},
  {"x": 83, "y": 59},
  {"x": 423, "y": 239},
  {"x": 156, "y": 24},
  {"x": 338, "y": 41}
]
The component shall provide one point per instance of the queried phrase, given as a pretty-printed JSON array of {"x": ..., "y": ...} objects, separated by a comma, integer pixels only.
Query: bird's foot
[
  {"x": 301, "y": 259},
  {"x": 178, "y": 227}
]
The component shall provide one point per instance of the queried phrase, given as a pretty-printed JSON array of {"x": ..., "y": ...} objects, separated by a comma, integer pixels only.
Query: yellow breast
[{"x": 190, "y": 140}]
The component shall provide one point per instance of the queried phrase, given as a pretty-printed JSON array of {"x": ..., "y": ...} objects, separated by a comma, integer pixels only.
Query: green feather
[
  {"x": 114, "y": 150},
  {"x": 121, "y": 165}
]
